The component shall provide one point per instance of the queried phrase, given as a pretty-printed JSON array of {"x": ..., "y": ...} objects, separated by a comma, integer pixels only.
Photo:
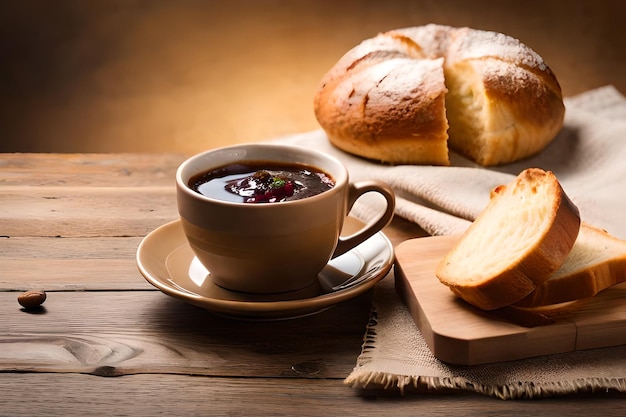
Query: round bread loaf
[{"x": 406, "y": 96}]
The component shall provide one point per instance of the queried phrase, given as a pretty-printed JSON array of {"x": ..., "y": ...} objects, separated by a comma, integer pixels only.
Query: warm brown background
[{"x": 183, "y": 76}]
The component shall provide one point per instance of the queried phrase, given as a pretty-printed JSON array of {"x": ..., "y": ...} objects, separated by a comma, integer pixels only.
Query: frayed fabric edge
[
  {"x": 522, "y": 390},
  {"x": 368, "y": 380}
]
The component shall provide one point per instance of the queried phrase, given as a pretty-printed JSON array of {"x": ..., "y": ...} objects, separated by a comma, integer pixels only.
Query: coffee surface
[{"x": 262, "y": 182}]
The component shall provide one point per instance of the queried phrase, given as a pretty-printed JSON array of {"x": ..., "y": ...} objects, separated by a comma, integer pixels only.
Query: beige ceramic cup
[{"x": 272, "y": 247}]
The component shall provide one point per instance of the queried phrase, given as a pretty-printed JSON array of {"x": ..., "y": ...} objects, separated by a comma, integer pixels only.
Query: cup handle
[{"x": 374, "y": 226}]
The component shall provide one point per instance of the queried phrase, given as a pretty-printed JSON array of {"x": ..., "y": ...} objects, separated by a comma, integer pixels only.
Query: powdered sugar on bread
[{"x": 502, "y": 102}]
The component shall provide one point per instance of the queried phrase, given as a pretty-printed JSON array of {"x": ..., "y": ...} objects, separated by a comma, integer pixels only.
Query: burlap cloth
[{"x": 589, "y": 158}]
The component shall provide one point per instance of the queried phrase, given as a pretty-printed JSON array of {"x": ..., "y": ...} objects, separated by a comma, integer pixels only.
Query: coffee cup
[{"x": 271, "y": 247}]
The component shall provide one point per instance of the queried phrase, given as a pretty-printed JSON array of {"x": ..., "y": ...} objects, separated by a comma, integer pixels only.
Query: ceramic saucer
[{"x": 167, "y": 262}]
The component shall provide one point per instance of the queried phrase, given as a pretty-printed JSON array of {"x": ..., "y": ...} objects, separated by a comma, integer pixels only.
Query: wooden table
[{"x": 108, "y": 343}]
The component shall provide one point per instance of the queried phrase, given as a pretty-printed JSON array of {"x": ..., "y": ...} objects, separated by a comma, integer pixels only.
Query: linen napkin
[{"x": 589, "y": 159}]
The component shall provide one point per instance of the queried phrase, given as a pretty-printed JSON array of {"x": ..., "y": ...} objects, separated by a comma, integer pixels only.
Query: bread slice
[
  {"x": 597, "y": 261},
  {"x": 523, "y": 235},
  {"x": 540, "y": 315}
]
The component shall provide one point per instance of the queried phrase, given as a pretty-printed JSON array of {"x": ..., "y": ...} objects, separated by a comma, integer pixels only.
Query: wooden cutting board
[{"x": 461, "y": 334}]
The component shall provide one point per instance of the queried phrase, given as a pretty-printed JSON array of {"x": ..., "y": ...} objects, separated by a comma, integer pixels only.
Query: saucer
[{"x": 166, "y": 261}]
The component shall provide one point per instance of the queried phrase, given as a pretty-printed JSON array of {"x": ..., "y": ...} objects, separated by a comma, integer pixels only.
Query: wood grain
[
  {"x": 461, "y": 334},
  {"x": 83, "y": 211},
  {"x": 95, "y": 170},
  {"x": 107, "y": 343},
  {"x": 128, "y": 332},
  {"x": 151, "y": 395},
  {"x": 71, "y": 264}
]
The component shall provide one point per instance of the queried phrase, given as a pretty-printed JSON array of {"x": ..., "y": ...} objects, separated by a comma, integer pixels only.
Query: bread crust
[
  {"x": 577, "y": 280},
  {"x": 393, "y": 97},
  {"x": 548, "y": 245},
  {"x": 374, "y": 113}
]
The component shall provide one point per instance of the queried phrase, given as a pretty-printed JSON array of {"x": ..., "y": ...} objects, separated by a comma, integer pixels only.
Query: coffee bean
[{"x": 31, "y": 299}]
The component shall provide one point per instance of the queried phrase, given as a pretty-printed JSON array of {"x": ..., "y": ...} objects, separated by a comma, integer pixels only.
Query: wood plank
[
  {"x": 82, "y": 212},
  {"x": 85, "y": 211},
  {"x": 94, "y": 263},
  {"x": 56, "y": 264},
  {"x": 71, "y": 275},
  {"x": 33, "y": 248},
  {"x": 119, "y": 170},
  {"x": 601, "y": 321},
  {"x": 150, "y": 395},
  {"x": 108, "y": 211},
  {"x": 129, "y": 332}
]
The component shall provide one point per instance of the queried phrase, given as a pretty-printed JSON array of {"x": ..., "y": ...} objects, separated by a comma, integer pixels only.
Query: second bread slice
[
  {"x": 523, "y": 235},
  {"x": 597, "y": 261}
]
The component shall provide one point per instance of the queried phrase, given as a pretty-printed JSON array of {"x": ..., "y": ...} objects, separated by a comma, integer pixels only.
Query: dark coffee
[{"x": 262, "y": 182}]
